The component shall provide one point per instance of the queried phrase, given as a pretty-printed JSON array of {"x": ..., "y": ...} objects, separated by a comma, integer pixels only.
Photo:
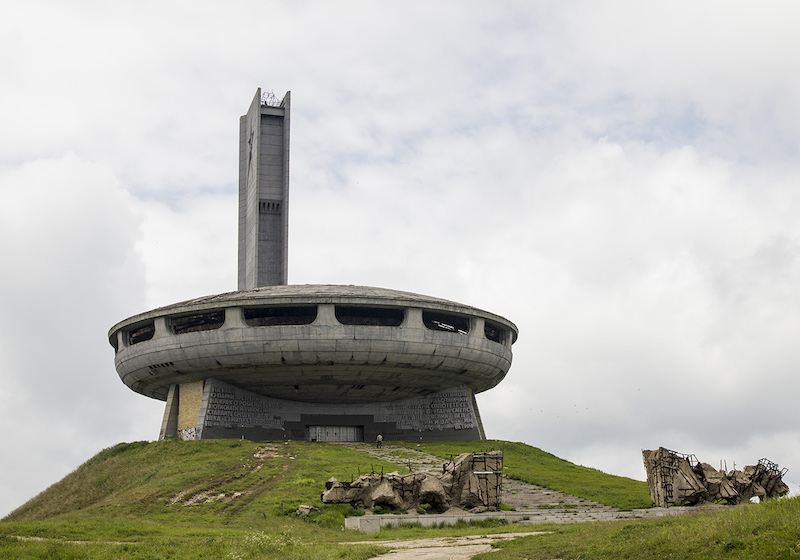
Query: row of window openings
[
  {"x": 305, "y": 315},
  {"x": 269, "y": 207}
]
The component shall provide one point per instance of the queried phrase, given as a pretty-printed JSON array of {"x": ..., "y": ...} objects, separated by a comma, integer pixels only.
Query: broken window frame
[
  {"x": 196, "y": 322},
  {"x": 494, "y": 332},
  {"x": 139, "y": 333},
  {"x": 446, "y": 322}
]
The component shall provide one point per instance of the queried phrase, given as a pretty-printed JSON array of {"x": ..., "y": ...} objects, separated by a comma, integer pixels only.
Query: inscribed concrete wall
[{"x": 231, "y": 412}]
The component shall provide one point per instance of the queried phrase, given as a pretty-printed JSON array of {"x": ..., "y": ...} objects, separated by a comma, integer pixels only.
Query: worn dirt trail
[{"x": 443, "y": 548}]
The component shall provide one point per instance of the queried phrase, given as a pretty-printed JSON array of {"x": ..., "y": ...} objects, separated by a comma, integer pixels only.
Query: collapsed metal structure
[
  {"x": 470, "y": 481},
  {"x": 679, "y": 479}
]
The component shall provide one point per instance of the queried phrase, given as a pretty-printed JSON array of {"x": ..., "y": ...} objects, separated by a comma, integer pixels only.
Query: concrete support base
[{"x": 230, "y": 412}]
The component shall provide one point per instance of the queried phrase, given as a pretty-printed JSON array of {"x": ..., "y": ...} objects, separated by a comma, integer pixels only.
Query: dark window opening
[
  {"x": 113, "y": 341},
  {"x": 372, "y": 316},
  {"x": 141, "y": 333},
  {"x": 269, "y": 207},
  {"x": 495, "y": 332},
  {"x": 445, "y": 322},
  {"x": 276, "y": 316},
  {"x": 197, "y": 322}
]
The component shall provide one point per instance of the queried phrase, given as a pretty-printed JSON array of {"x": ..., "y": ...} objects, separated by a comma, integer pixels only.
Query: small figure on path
[{"x": 379, "y": 441}]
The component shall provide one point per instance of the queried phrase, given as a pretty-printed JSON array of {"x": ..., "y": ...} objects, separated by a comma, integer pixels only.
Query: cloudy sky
[{"x": 620, "y": 179}]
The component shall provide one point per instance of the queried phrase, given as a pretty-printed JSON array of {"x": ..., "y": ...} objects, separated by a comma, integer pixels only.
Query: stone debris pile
[
  {"x": 470, "y": 481},
  {"x": 676, "y": 479}
]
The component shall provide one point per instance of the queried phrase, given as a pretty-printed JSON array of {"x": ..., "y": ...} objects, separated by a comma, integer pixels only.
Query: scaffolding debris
[
  {"x": 470, "y": 481},
  {"x": 678, "y": 479}
]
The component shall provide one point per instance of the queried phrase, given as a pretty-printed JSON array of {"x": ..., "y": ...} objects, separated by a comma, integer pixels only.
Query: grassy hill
[
  {"x": 199, "y": 499},
  {"x": 535, "y": 466},
  {"x": 237, "y": 499}
]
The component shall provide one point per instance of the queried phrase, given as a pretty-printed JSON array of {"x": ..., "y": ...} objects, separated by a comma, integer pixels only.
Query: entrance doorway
[{"x": 335, "y": 433}]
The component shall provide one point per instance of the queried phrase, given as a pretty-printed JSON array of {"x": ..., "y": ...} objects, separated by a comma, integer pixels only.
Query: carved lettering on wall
[
  {"x": 443, "y": 410},
  {"x": 229, "y": 408}
]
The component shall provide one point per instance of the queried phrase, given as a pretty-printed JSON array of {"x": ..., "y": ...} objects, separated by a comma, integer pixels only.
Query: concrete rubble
[
  {"x": 677, "y": 479},
  {"x": 305, "y": 510},
  {"x": 470, "y": 481}
]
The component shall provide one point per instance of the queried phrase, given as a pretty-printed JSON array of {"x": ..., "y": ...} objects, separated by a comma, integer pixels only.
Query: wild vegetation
[{"x": 237, "y": 499}]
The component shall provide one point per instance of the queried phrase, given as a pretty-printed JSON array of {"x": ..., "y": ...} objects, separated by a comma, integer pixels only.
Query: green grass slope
[
  {"x": 237, "y": 500},
  {"x": 768, "y": 531},
  {"x": 229, "y": 480},
  {"x": 233, "y": 480},
  {"x": 199, "y": 499},
  {"x": 535, "y": 466}
]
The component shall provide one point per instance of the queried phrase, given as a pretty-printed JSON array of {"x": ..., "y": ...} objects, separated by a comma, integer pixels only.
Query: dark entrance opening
[{"x": 334, "y": 433}]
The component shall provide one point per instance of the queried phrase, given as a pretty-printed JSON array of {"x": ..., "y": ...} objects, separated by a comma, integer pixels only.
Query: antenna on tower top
[{"x": 269, "y": 99}]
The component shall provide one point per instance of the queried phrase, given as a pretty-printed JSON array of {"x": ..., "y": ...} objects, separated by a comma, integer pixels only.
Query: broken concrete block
[
  {"x": 678, "y": 479},
  {"x": 469, "y": 481}
]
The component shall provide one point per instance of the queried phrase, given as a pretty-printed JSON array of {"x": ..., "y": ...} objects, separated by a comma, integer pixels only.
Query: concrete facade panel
[
  {"x": 444, "y": 415},
  {"x": 190, "y": 395}
]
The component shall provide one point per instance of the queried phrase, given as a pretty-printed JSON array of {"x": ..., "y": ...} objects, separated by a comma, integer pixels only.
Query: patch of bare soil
[
  {"x": 443, "y": 548},
  {"x": 209, "y": 491}
]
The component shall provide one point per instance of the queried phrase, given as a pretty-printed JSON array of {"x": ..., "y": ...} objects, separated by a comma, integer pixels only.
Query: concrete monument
[
  {"x": 679, "y": 479},
  {"x": 470, "y": 481},
  {"x": 314, "y": 362}
]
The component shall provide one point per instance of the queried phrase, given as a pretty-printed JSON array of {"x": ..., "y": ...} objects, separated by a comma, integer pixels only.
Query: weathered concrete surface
[
  {"x": 323, "y": 361},
  {"x": 264, "y": 193},
  {"x": 227, "y": 411},
  {"x": 470, "y": 481},
  {"x": 677, "y": 479}
]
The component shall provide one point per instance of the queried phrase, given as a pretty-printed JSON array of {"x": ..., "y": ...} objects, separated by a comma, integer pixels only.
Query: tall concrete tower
[
  {"x": 274, "y": 361},
  {"x": 264, "y": 192}
]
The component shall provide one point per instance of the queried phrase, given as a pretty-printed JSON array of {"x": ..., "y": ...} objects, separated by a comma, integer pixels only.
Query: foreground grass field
[
  {"x": 769, "y": 531},
  {"x": 237, "y": 499},
  {"x": 199, "y": 499}
]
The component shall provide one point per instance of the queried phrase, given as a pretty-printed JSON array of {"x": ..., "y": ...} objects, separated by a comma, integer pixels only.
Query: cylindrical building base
[{"x": 230, "y": 412}]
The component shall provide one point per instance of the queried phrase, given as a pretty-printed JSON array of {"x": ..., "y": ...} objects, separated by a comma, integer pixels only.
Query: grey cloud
[{"x": 619, "y": 180}]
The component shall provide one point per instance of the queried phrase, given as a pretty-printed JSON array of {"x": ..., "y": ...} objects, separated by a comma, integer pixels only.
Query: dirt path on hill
[{"x": 443, "y": 548}]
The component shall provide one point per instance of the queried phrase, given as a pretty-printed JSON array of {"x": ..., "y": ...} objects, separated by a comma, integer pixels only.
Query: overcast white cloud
[{"x": 619, "y": 179}]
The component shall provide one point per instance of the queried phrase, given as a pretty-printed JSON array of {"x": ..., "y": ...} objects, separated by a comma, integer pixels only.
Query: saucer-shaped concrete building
[{"x": 315, "y": 362}]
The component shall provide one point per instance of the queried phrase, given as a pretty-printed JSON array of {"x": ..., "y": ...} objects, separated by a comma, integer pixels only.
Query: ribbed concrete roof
[{"x": 296, "y": 294}]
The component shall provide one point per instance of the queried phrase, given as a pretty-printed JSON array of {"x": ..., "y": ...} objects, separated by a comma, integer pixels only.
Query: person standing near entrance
[{"x": 379, "y": 441}]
